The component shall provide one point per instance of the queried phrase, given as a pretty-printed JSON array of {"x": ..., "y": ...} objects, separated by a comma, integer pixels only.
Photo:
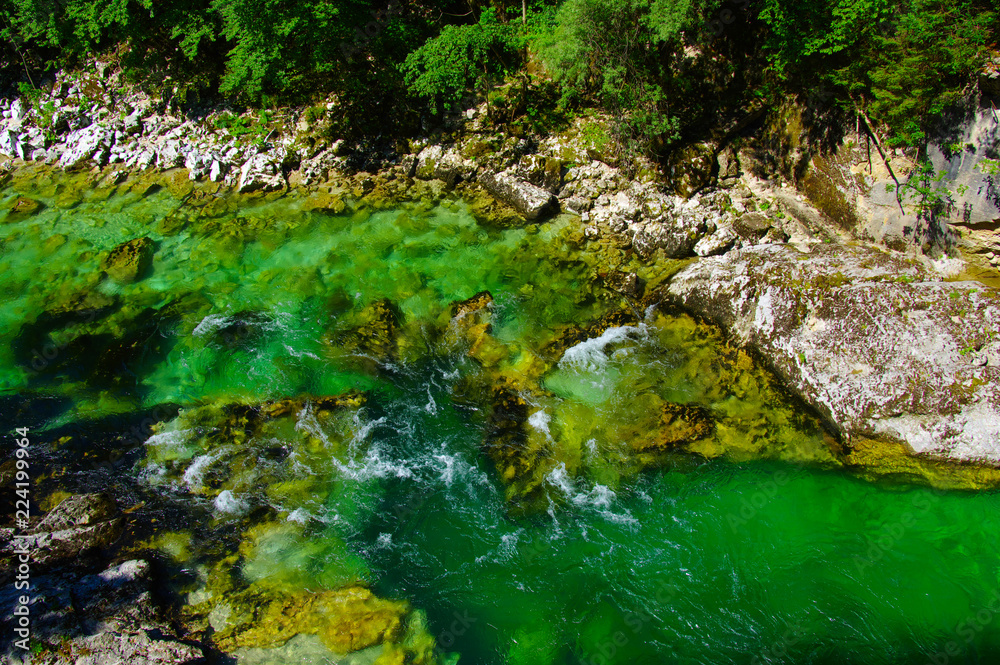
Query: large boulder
[
  {"x": 437, "y": 163},
  {"x": 260, "y": 173},
  {"x": 79, "y": 525},
  {"x": 528, "y": 200},
  {"x": 130, "y": 260},
  {"x": 109, "y": 618},
  {"x": 876, "y": 343},
  {"x": 92, "y": 142}
]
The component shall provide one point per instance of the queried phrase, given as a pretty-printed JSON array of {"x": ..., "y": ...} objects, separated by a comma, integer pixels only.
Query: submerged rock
[
  {"x": 377, "y": 335},
  {"x": 679, "y": 424},
  {"x": 345, "y": 620},
  {"x": 130, "y": 261},
  {"x": 871, "y": 340},
  {"x": 510, "y": 448},
  {"x": 23, "y": 207}
]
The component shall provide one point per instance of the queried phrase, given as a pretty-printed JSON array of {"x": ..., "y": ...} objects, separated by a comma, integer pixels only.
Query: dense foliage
[{"x": 666, "y": 69}]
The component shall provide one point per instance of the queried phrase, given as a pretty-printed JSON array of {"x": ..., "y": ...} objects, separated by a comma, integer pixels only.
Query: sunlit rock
[{"x": 130, "y": 261}]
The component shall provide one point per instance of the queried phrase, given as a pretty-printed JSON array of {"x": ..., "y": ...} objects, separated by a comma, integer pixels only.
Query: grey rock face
[
  {"x": 259, "y": 173},
  {"x": 527, "y": 199},
  {"x": 874, "y": 341},
  {"x": 78, "y": 525},
  {"x": 104, "y": 619},
  {"x": 83, "y": 144},
  {"x": 437, "y": 163}
]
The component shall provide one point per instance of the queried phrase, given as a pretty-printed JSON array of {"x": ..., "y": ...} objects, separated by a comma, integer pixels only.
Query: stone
[
  {"x": 679, "y": 424},
  {"x": 79, "y": 510},
  {"x": 626, "y": 283},
  {"x": 215, "y": 171},
  {"x": 752, "y": 226},
  {"x": 873, "y": 341},
  {"x": 83, "y": 144},
  {"x": 437, "y": 163},
  {"x": 718, "y": 242},
  {"x": 23, "y": 207},
  {"x": 528, "y": 200},
  {"x": 691, "y": 169},
  {"x": 132, "y": 124},
  {"x": 261, "y": 174},
  {"x": 9, "y": 142},
  {"x": 18, "y": 111},
  {"x": 77, "y": 526},
  {"x": 108, "y": 618},
  {"x": 728, "y": 167},
  {"x": 130, "y": 261},
  {"x": 376, "y": 336}
]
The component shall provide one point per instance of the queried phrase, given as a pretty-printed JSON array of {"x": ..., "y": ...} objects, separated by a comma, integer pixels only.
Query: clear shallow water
[{"x": 693, "y": 560}]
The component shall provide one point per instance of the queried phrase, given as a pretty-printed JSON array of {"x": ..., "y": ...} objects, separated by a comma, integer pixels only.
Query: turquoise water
[
  {"x": 750, "y": 545},
  {"x": 709, "y": 562}
]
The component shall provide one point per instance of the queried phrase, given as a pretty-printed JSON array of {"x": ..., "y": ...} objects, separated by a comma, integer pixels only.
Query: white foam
[
  {"x": 559, "y": 477},
  {"x": 300, "y": 354},
  {"x": 300, "y": 515},
  {"x": 590, "y": 354},
  {"x": 448, "y": 472},
  {"x": 171, "y": 439},
  {"x": 194, "y": 473},
  {"x": 210, "y": 324},
  {"x": 540, "y": 421},
  {"x": 227, "y": 502}
]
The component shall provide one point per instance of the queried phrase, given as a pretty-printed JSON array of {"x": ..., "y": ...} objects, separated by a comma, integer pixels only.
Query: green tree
[{"x": 463, "y": 58}]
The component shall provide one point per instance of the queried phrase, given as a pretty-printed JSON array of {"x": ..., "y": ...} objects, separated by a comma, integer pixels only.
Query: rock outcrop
[
  {"x": 130, "y": 260},
  {"x": 78, "y": 526},
  {"x": 528, "y": 200},
  {"x": 108, "y": 618},
  {"x": 877, "y": 343}
]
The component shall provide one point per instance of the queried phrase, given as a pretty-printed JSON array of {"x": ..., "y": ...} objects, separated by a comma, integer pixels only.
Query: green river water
[{"x": 755, "y": 545}]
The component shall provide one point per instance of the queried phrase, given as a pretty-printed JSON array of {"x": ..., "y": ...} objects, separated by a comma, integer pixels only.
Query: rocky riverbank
[
  {"x": 707, "y": 204},
  {"x": 891, "y": 347}
]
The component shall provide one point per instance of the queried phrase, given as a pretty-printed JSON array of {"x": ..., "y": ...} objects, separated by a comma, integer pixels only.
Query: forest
[{"x": 668, "y": 71}]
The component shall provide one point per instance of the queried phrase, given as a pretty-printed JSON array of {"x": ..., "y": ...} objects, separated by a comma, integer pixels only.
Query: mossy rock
[
  {"x": 478, "y": 302},
  {"x": 522, "y": 461},
  {"x": 22, "y": 208},
  {"x": 691, "y": 169},
  {"x": 679, "y": 424},
  {"x": 325, "y": 405},
  {"x": 488, "y": 212},
  {"x": 469, "y": 329},
  {"x": 888, "y": 460},
  {"x": 130, "y": 261},
  {"x": 378, "y": 333},
  {"x": 345, "y": 620}
]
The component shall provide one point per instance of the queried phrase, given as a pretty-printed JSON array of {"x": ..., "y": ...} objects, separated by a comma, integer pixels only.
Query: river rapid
[{"x": 326, "y": 414}]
